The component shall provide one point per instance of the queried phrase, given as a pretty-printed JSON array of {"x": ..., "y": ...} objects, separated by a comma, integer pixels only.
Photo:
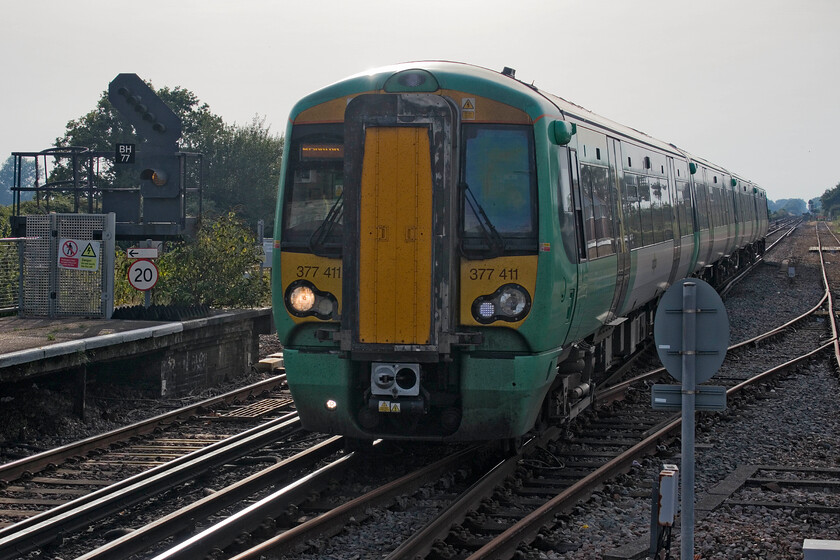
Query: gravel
[
  {"x": 37, "y": 416},
  {"x": 794, "y": 424}
]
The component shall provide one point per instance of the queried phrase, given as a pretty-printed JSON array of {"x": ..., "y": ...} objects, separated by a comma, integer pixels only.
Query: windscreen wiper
[
  {"x": 319, "y": 237},
  {"x": 495, "y": 242}
]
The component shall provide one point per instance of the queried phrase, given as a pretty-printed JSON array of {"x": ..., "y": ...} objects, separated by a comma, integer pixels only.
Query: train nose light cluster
[
  {"x": 304, "y": 300},
  {"x": 510, "y": 302}
]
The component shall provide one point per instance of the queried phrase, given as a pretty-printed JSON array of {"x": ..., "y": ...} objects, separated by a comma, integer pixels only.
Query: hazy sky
[{"x": 753, "y": 85}]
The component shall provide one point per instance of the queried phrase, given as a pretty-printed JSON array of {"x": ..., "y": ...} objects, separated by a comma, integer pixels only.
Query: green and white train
[{"x": 462, "y": 256}]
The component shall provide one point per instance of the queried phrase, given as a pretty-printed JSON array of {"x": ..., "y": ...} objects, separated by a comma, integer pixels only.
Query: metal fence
[
  {"x": 11, "y": 271},
  {"x": 53, "y": 290}
]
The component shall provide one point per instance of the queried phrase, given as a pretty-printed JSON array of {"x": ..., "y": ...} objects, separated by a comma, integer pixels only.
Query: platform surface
[
  {"x": 181, "y": 355},
  {"x": 18, "y": 333}
]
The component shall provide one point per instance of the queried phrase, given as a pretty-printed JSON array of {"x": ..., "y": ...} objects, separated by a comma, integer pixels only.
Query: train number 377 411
[
  {"x": 316, "y": 271},
  {"x": 493, "y": 273}
]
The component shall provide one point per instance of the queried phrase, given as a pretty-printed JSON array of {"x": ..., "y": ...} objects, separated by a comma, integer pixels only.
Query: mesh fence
[{"x": 53, "y": 291}]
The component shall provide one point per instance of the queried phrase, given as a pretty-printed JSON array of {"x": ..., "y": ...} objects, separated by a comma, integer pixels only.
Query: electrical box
[{"x": 669, "y": 495}]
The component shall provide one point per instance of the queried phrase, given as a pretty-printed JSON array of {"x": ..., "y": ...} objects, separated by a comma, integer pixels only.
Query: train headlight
[
  {"x": 510, "y": 302},
  {"x": 513, "y": 302},
  {"x": 303, "y": 299}
]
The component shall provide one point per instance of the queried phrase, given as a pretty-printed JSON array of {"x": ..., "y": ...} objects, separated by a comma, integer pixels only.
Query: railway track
[
  {"x": 476, "y": 520},
  {"x": 486, "y": 508},
  {"x": 49, "y": 494},
  {"x": 480, "y": 523}
]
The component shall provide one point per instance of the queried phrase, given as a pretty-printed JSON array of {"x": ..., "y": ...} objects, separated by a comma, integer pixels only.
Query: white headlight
[
  {"x": 302, "y": 299},
  {"x": 512, "y": 302}
]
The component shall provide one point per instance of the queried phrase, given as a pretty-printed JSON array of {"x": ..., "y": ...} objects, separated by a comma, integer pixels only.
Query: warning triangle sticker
[
  {"x": 468, "y": 104},
  {"x": 89, "y": 252}
]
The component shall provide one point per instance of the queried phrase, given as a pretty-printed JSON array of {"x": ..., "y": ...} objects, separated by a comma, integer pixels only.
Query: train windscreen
[{"x": 498, "y": 183}]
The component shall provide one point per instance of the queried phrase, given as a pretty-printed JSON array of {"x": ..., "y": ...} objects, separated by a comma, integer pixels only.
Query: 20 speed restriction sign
[{"x": 143, "y": 275}]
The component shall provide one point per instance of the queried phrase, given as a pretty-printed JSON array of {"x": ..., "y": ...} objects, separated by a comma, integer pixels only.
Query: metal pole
[
  {"x": 21, "y": 249},
  {"x": 689, "y": 387},
  {"x": 147, "y": 294}
]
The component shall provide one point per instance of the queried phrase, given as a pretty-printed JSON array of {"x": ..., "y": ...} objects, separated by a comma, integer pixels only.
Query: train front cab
[{"x": 393, "y": 326}]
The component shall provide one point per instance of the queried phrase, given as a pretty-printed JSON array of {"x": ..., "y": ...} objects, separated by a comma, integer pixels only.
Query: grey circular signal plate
[{"x": 712, "y": 330}]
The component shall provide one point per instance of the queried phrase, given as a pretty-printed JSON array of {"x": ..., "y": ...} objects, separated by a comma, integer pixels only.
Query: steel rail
[
  {"x": 612, "y": 391},
  {"x": 419, "y": 545},
  {"x": 830, "y": 297},
  {"x": 34, "y": 463},
  {"x": 733, "y": 281},
  {"x": 50, "y": 525},
  {"x": 185, "y": 518},
  {"x": 328, "y": 523},
  {"x": 526, "y": 530}
]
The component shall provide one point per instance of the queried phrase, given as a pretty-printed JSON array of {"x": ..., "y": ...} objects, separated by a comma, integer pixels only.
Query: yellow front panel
[
  {"x": 395, "y": 244},
  {"x": 484, "y": 277}
]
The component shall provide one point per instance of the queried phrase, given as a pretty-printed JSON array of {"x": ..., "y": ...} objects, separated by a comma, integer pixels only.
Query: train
[{"x": 461, "y": 256}]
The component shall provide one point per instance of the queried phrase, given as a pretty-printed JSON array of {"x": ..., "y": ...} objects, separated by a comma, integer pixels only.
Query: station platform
[{"x": 173, "y": 357}]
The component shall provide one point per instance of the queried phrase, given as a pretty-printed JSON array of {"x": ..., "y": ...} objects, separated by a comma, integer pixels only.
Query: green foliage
[
  {"x": 831, "y": 201},
  {"x": 7, "y": 179},
  {"x": 241, "y": 163},
  {"x": 243, "y": 173},
  {"x": 9, "y": 274},
  {"x": 219, "y": 268},
  {"x": 124, "y": 292}
]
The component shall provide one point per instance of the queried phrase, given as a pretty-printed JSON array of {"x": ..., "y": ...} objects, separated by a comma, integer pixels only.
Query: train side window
[
  {"x": 657, "y": 210},
  {"x": 588, "y": 212},
  {"x": 702, "y": 206},
  {"x": 597, "y": 217},
  {"x": 631, "y": 211},
  {"x": 667, "y": 210},
  {"x": 684, "y": 203},
  {"x": 571, "y": 214},
  {"x": 645, "y": 211}
]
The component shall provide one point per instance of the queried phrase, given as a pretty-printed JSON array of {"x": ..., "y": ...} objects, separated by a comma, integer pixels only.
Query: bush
[{"x": 219, "y": 267}]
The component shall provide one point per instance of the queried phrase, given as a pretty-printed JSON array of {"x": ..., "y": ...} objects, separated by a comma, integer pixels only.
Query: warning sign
[
  {"x": 386, "y": 406},
  {"x": 78, "y": 254},
  {"x": 468, "y": 108}
]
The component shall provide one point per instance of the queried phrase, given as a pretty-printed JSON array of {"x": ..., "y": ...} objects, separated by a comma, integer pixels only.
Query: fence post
[
  {"x": 107, "y": 263},
  {"x": 53, "y": 267},
  {"x": 21, "y": 245}
]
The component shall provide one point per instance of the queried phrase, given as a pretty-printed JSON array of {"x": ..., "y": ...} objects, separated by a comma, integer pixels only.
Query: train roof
[{"x": 503, "y": 87}]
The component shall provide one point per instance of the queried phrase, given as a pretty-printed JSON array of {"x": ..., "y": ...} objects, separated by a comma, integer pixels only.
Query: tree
[
  {"x": 220, "y": 267},
  {"x": 244, "y": 172},
  {"x": 241, "y": 164},
  {"x": 831, "y": 201},
  {"x": 7, "y": 179}
]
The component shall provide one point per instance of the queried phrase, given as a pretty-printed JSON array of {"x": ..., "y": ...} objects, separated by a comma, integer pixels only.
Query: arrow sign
[{"x": 142, "y": 253}]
